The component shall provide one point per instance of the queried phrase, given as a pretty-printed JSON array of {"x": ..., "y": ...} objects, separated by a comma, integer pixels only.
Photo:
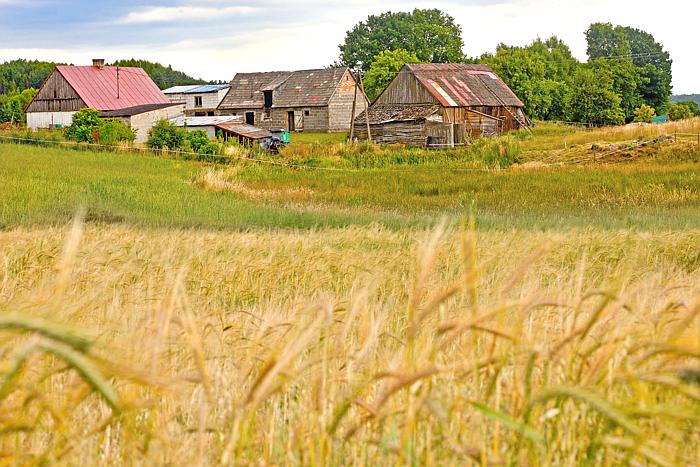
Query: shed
[
  {"x": 471, "y": 101},
  {"x": 246, "y": 135},
  {"x": 208, "y": 124},
  {"x": 305, "y": 100}
]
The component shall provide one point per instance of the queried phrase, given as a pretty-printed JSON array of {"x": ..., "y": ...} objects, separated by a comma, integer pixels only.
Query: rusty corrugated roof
[
  {"x": 97, "y": 86},
  {"x": 461, "y": 85},
  {"x": 304, "y": 88}
]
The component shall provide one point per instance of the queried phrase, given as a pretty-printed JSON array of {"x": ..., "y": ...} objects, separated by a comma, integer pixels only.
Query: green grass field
[{"x": 162, "y": 311}]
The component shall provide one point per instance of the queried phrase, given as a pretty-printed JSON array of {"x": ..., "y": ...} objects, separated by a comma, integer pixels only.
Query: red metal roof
[
  {"x": 459, "y": 85},
  {"x": 97, "y": 86}
]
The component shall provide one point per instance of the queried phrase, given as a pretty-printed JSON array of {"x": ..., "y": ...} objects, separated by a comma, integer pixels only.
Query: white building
[{"x": 199, "y": 100}]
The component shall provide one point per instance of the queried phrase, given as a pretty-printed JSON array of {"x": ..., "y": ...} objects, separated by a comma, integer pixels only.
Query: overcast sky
[{"x": 214, "y": 39}]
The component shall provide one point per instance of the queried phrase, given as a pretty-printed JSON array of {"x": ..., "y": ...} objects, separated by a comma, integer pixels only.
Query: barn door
[
  {"x": 299, "y": 123},
  {"x": 291, "y": 123}
]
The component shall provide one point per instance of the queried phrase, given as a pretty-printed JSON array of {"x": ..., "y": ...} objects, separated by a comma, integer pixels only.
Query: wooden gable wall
[
  {"x": 56, "y": 95},
  {"x": 406, "y": 89}
]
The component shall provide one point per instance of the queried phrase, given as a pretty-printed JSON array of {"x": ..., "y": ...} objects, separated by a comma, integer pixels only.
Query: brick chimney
[{"x": 98, "y": 62}]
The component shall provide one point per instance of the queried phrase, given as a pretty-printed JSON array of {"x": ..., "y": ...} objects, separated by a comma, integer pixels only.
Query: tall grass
[{"x": 338, "y": 347}]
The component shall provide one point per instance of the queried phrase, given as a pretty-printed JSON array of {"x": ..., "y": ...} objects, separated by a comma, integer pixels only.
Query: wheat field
[{"x": 349, "y": 346}]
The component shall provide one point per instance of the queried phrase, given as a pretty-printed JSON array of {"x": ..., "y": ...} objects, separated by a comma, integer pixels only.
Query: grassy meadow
[{"x": 403, "y": 308}]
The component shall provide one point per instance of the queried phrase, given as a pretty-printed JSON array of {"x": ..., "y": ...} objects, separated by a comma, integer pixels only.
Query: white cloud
[{"x": 182, "y": 13}]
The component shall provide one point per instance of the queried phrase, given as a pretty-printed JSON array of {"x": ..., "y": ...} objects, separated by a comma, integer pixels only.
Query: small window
[
  {"x": 197, "y": 101},
  {"x": 306, "y": 113},
  {"x": 268, "y": 98},
  {"x": 55, "y": 94},
  {"x": 210, "y": 114}
]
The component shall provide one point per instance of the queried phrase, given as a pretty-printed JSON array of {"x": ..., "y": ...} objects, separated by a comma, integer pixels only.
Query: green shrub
[
  {"x": 112, "y": 131},
  {"x": 86, "y": 123},
  {"x": 165, "y": 135},
  {"x": 680, "y": 112},
  {"x": 199, "y": 142},
  {"x": 644, "y": 114}
]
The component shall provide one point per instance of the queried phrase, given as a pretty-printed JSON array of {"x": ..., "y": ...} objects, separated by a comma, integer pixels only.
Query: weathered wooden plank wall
[{"x": 56, "y": 96}]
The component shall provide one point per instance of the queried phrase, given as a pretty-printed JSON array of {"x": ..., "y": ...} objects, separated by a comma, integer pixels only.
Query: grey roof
[
  {"x": 136, "y": 110},
  {"x": 180, "y": 89},
  {"x": 304, "y": 88},
  {"x": 247, "y": 131},
  {"x": 385, "y": 113},
  {"x": 205, "y": 121},
  {"x": 196, "y": 89}
]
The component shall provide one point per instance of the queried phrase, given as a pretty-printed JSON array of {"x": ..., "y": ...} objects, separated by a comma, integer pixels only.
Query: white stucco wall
[
  {"x": 142, "y": 123},
  {"x": 36, "y": 120}
]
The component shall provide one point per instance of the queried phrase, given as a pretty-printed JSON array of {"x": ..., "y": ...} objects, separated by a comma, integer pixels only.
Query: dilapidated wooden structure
[
  {"x": 311, "y": 100},
  {"x": 440, "y": 105}
]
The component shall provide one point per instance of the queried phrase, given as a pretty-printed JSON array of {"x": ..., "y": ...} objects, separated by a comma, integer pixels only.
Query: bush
[
  {"x": 86, "y": 123},
  {"x": 680, "y": 112},
  {"x": 644, "y": 114},
  {"x": 112, "y": 131},
  {"x": 199, "y": 142},
  {"x": 165, "y": 135}
]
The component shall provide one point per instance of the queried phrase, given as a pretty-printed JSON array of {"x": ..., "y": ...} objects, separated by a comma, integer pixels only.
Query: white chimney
[{"x": 98, "y": 62}]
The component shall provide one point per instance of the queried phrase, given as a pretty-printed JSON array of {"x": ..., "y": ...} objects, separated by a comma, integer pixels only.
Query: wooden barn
[
  {"x": 117, "y": 92},
  {"x": 311, "y": 100},
  {"x": 440, "y": 105}
]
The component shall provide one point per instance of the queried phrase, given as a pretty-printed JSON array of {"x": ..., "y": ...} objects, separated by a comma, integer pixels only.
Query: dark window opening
[
  {"x": 290, "y": 121},
  {"x": 197, "y": 101},
  {"x": 210, "y": 114},
  {"x": 200, "y": 114},
  {"x": 306, "y": 113},
  {"x": 55, "y": 94},
  {"x": 268, "y": 98},
  {"x": 250, "y": 118}
]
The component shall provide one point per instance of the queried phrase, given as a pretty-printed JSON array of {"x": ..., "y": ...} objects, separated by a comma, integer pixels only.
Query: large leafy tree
[
  {"x": 538, "y": 74},
  {"x": 384, "y": 68},
  {"x": 640, "y": 65},
  {"x": 432, "y": 35},
  {"x": 12, "y": 105},
  {"x": 592, "y": 98}
]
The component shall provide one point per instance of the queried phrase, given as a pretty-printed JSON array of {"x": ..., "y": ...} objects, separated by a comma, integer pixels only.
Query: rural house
[
  {"x": 440, "y": 105},
  {"x": 118, "y": 92},
  {"x": 199, "y": 100},
  {"x": 311, "y": 100}
]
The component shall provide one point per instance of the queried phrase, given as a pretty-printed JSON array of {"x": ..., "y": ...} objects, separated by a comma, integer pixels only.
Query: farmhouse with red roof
[
  {"x": 441, "y": 105},
  {"x": 118, "y": 92}
]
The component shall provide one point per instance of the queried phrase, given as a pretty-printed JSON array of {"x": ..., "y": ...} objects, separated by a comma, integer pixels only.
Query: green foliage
[
  {"x": 165, "y": 135},
  {"x": 23, "y": 74},
  {"x": 686, "y": 98},
  {"x": 641, "y": 67},
  {"x": 432, "y": 35},
  {"x": 385, "y": 67},
  {"x": 113, "y": 131},
  {"x": 681, "y": 111},
  {"x": 592, "y": 98},
  {"x": 85, "y": 126},
  {"x": 644, "y": 114},
  {"x": 538, "y": 74},
  {"x": 692, "y": 106},
  {"x": 12, "y": 105},
  {"x": 199, "y": 142},
  {"x": 163, "y": 76}
]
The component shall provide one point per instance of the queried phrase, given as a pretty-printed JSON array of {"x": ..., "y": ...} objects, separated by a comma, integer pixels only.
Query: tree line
[{"x": 626, "y": 67}]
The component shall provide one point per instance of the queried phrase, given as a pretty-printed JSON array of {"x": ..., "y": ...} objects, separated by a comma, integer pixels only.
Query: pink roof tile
[{"x": 97, "y": 87}]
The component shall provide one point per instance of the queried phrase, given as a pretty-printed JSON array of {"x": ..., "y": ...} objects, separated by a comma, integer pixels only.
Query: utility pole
[
  {"x": 352, "y": 117},
  {"x": 362, "y": 87}
]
